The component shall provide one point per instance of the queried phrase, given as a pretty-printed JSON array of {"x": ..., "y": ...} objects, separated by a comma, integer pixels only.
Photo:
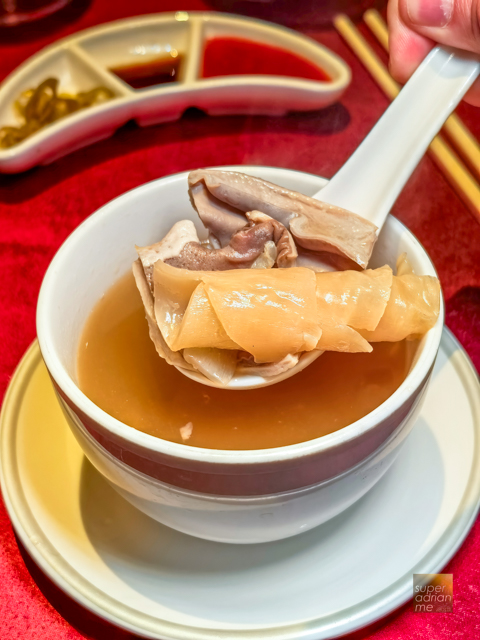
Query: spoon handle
[{"x": 370, "y": 181}]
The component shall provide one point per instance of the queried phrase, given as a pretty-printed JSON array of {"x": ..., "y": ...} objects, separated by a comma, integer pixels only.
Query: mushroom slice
[{"x": 314, "y": 225}]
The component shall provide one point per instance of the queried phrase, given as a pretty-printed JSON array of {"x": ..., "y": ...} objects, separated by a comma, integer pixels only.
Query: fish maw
[
  {"x": 173, "y": 289},
  {"x": 218, "y": 365},
  {"x": 412, "y": 310},
  {"x": 156, "y": 336},
  {"x": 354, "y": 298},
  {"x": 339, "y": 337},
  {"x": 404, "y": 266},
  {"x": 269, "y": 313},
  {"x": 200, "y": 326}
]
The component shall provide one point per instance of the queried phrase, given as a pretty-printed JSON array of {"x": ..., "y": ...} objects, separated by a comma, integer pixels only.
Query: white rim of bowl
[{"x": 216, "y": 456}]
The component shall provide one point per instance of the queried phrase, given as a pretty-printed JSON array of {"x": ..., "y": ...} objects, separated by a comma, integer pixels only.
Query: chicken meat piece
[
  {"x": 182, "y": 248},
  {"x": 172, "y": 245},
  {"x": 221, "y": 220},
  {"x": 245, "y": 246}
]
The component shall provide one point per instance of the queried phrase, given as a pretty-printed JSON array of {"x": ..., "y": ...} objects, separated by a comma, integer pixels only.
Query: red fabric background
[{"x": 41, "y": 207}]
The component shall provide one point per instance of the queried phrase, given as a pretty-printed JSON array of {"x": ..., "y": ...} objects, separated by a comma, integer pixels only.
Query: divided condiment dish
[{"x": 84, "y": 60}]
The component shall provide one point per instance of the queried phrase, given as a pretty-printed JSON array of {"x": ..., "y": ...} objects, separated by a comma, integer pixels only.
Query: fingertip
[
  {"x": 398, "y": 71},
  {"x": 407, "y": 50}
]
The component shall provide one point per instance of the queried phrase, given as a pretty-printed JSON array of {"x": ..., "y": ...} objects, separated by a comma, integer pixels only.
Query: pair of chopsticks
[{"x": 456, "y": 172}]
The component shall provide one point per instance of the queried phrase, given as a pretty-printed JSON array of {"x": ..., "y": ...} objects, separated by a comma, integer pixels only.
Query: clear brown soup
[{"x": 119, "y": 370}]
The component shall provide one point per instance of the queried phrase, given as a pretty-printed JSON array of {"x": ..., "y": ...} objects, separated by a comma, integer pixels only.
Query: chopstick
[
  {"x": 459, "y": 134},
  {"x": 377, "y": 26},
  {"x": 445, "y": 158}
]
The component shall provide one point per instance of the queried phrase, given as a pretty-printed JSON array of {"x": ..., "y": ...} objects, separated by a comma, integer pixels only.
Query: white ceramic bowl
[{"x": 229, "y": 496}]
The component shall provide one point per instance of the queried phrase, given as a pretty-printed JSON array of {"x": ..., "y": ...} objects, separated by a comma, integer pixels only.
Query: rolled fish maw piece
[
  {"x": 412, "y": 310},
  {"x": 354, "y": 298},
  {"x": 404, "y": 266},
  {"x": 340, "y": 337},
  {"x": 173, "y": 289},
  {"x": 156, "y": 336},
  {"x": 200, "y": 326},
  {"x": 269, "y": 313},
  {"x": 218, "y": 365}
]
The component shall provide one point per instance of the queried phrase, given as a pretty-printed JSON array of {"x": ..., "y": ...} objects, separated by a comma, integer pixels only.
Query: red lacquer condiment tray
[{"x": 157, "y": 66}]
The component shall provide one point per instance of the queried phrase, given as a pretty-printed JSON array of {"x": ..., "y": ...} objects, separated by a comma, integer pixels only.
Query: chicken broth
[{"x": 120, "y": 371}]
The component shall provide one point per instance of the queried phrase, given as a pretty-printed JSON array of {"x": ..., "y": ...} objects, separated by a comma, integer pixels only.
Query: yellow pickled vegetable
[{"x": 41, "y": 106}]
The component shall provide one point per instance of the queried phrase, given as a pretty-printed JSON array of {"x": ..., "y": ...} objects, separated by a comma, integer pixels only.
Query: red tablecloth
[{"x": 41, "y": 207}]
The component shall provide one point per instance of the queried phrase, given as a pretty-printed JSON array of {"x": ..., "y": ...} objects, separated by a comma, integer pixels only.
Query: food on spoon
[
  {"x": 348, "y": 301},
  {"x": 354, "y": 298},
  {"x": 314, "y": 225},
  {"x": 237, "y": 302},
  {"x": 268, "y": 317},
  {"x": 156, "y": 336},
  {"x": 43, "y": 105},
  {"x": 243, "y": 249},
  {"x": 413, "y": 302}
]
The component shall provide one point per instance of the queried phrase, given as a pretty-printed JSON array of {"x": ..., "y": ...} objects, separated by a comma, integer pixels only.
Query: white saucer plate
[
  {"x": 83, "y": 61},
  {"x": 158, "y": 583}
]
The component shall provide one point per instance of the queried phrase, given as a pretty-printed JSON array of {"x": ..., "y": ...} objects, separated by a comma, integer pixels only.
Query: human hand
[{"x": 416, "y": 26}]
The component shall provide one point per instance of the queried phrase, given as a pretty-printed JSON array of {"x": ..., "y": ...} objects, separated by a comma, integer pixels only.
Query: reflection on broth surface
[{"x": 119, "y": 370}]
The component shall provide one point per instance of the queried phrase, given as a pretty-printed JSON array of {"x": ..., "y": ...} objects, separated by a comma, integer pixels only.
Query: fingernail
[{"x": 430, "y": 13}]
